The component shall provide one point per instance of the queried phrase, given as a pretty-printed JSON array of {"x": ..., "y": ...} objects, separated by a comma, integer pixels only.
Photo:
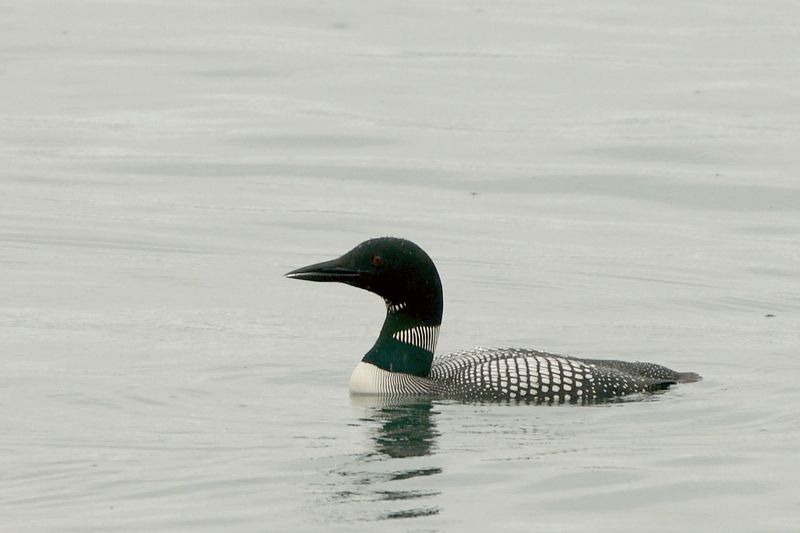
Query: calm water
[{"x": 604, "y": 180}]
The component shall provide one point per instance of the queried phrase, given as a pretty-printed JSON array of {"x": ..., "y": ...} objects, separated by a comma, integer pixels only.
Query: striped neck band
[{"x": 424, "y": 337}]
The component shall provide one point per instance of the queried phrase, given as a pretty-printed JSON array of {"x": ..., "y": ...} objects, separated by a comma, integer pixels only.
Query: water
[{"x": 604, "y": 180}]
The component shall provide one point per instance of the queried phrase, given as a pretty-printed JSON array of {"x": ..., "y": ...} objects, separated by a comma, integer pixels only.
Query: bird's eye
[{"x": 377, "y": 260}]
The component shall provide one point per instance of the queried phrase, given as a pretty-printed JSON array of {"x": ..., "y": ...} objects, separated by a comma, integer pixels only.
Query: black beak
[{"x": 326, "y": 271}]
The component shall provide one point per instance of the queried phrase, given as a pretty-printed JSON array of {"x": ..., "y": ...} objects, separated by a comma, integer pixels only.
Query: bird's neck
[{"x": 407, "y": 341}]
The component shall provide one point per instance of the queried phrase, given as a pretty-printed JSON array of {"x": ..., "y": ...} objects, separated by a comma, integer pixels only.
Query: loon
[{"x": 401, "y": 363}]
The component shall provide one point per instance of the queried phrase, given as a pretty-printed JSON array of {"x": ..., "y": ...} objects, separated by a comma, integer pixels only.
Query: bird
[{"x": 401, "y": 363}]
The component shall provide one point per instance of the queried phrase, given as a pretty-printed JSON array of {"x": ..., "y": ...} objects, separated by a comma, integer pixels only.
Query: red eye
[{"x": 377, "y": 260}]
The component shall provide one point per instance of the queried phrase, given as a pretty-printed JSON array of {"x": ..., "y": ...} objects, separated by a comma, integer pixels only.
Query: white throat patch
[{"x": 393, "y": 308}]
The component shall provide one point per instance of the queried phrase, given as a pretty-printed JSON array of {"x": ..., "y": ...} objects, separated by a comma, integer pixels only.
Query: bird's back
[{"x": 531, "y": 375}]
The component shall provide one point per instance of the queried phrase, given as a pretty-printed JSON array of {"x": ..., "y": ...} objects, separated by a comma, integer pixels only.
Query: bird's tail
[{"x": 688, "y": 377}]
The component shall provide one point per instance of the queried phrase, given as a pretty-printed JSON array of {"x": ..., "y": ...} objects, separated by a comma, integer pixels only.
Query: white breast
[{"x": 369, "y": 379}]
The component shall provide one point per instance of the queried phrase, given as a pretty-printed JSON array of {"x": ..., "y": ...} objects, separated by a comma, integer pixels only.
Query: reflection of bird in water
[
  {"x": 403, "y": 433},
  {"x": 401, "y": 362},
  {"x": 406, "y": 430}
]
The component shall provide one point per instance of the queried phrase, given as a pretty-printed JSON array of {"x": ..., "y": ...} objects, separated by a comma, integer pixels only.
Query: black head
[{"x": 396, "y": 269}]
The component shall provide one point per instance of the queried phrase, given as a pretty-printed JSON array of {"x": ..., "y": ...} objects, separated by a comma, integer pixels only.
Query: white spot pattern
[{"x": 530, "y": 375}]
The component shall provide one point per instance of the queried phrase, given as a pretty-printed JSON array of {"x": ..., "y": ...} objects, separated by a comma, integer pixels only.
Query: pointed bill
[{"x": 325, "y": 271}]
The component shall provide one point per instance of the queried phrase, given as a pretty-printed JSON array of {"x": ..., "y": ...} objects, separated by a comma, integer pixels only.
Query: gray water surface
[{"x": 601, "y": 180}]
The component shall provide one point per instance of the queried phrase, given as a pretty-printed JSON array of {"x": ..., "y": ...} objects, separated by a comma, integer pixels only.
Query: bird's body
[
  {"x": 402, "y": 363},
  {"x": 491, "y": 374}
]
